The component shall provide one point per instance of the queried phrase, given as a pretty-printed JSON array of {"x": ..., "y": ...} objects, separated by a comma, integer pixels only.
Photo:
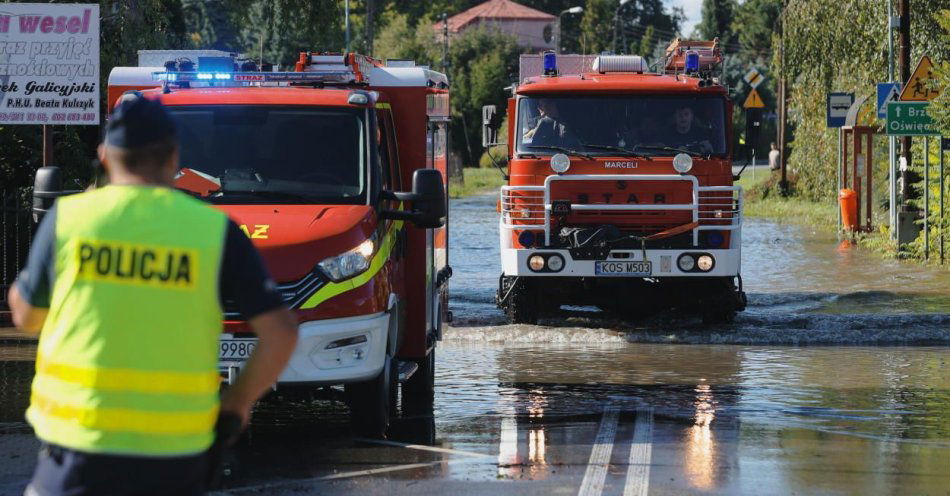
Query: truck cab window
[{"x": 269, "y": 154}]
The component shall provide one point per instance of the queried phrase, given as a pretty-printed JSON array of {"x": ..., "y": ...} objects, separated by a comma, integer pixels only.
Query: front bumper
[
  {"x": 313, "y": 363},
  {"x": 514, "y": 262}
]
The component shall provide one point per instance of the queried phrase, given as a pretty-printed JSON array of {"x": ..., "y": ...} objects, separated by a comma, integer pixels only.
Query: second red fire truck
[{"x": 621, "y": 189}]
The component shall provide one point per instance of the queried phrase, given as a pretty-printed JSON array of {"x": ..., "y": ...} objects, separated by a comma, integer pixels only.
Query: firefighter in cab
[{"x": 124, "y": 284}]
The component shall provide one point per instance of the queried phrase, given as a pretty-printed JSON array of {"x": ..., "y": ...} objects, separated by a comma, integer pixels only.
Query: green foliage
[
  {"x": 838, "y": 46},
  {"x": 717, "y": 16}
]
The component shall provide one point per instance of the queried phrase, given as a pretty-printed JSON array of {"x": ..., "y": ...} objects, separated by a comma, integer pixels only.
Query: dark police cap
[{"x": 137, "y": 122}]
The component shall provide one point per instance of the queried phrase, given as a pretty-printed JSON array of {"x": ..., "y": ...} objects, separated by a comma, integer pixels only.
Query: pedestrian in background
[
  {"x": 124, "y": 284},
  {"x": 774, "y": 156}
]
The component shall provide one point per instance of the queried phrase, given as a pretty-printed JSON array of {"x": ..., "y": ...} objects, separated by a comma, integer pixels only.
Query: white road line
[
  {"x": 593, "y": 483},
  {"x": 422, "y": 447},
  {"x": 641, "y": 452}
]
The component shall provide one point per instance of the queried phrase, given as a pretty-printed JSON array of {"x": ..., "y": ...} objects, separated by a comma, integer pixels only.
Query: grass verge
[{"x": 476, "y": 181}]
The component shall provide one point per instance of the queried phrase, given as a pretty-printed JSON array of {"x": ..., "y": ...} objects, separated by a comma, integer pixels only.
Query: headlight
[
  {"x": 351, "y": 263},
  {"x": 560, "y": 163},
  {"x": 686, "y": 263},
  {"x": 705, "y": 263},
  {"x": 682, "y": 163},
  {"x": 536, "y": 263},
  {"x": 555, "y": 263}
]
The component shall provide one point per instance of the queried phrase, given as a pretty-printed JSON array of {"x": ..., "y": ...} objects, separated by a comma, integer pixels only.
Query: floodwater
[{"x": 835, "y": 380}]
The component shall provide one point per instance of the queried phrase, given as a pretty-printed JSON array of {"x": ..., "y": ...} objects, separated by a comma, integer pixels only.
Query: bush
[{"x": 500, "y": 153}]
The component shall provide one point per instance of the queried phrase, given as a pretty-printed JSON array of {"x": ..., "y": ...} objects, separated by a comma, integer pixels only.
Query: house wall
[{"x": 530, "y": 32}]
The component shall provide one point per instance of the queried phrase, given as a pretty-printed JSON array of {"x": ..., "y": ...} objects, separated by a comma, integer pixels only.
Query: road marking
[
  {"x": 641, "y": 452},
  {"x": 423, "y": 447},
  {"x": 593, "y": 483}
]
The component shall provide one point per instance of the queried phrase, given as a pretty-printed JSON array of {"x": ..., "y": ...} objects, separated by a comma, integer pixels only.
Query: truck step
[{"x": 406, "y": 369}]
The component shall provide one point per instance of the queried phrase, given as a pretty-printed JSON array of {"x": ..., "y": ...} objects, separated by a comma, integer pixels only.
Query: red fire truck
[
  {"x": 620, "y": 190},
  {"x": 314, "y": 165}
]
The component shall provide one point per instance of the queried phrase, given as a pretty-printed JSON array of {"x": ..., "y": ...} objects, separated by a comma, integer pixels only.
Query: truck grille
[
  {"x": 294, "y": 293},
  {"x": 636, "y": 204}
]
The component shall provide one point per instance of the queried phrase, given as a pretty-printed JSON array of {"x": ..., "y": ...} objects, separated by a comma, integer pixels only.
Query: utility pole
[
  {"x": 445, "y": 43},
  {"x": 891, "y": 140},
  {"x": 783, "y": 103},
  {"x": 346, "y": 22},
  {"x": 906, "y": 224},
  {"x": 369, "y": 27}
]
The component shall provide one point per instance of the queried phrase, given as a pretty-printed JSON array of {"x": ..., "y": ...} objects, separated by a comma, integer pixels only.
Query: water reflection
[{"x": 700, "y": 445}]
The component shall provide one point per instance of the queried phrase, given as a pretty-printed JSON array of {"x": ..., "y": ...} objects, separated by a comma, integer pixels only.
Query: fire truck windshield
[
  {"x": 622, "y": 125},
  {"x": 270, "y": 154}
]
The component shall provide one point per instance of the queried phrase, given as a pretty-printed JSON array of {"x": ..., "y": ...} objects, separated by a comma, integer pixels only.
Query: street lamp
[
  {"x": 617, "y": 21},
  {"x": 557, "y": 37}
]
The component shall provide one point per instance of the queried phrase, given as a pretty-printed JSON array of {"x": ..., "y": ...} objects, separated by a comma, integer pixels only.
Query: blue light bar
[
  {"x": 692, "y": 61},
  {"x": 549, "y": 60},
  {"x": 244, "y": 78}
]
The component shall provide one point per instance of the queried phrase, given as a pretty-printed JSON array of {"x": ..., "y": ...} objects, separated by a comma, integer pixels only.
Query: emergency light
[
  {"x": 549, "y": 62},
  {"x": 248, "y": 78},
  {"x": 692, "y": 61}
]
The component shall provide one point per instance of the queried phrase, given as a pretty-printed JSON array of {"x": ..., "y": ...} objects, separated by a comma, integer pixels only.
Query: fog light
[
  {"x": 536, "y": 263},
  {"x": 705, "y": 263},
  {"x": 682, "y": 163},
  {"x": 560, "y": 163},
  {"x": 686, "y": 263},
  {"x": 555, "y": 263},
  {"x": 524, "y": 213}
]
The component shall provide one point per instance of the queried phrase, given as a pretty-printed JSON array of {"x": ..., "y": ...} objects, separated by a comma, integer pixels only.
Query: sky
[{"x": 692, "y": 10}]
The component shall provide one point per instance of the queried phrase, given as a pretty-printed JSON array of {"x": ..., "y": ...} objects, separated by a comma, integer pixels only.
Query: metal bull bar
[{"x": 708, "y": 213}]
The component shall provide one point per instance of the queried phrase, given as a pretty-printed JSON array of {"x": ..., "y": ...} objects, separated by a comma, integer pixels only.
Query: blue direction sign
[
  {"x": 837, "y": 107},
  {"x": 886, "y": 92}
]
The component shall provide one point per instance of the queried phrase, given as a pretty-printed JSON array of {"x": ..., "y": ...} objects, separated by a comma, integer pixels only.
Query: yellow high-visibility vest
[{"x": 127, "y": 358}]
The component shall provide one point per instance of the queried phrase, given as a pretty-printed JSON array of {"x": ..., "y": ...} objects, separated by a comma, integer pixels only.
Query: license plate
[
  {"x": 235, "y": 349},
  {"x": 611, "y": 268}
]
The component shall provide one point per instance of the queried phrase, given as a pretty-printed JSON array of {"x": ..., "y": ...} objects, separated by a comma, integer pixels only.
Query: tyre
[
  {"x": 719, "y": 316},
  {"x": 371, "y": 402},
  {"x": 418, "y": 393},
  {"x": 522, "y": 306}
]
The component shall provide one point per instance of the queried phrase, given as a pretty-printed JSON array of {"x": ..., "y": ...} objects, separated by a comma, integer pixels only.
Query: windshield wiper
[
  {"x": 673, "y": 149},
  {"x": 264, "y": 194},
  {"x": 625, "y": 151},
  {"x": 562, "y": 149}
]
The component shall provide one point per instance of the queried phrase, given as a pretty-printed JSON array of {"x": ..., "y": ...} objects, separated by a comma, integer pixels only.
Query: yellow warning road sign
[
  {"x": 753, "y": 100},
  {"x": 922, "y": 85}
]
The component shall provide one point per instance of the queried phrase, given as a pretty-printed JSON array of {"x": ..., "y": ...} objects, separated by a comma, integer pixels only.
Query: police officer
[{"x": 125, "y": 284}]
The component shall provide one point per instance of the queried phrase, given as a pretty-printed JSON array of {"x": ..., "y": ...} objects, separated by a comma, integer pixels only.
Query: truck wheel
[
  {"x": 418, "y": 393},
  {"x": 719, "y": 316},
  {"x": 522, "y": 306},
  {"x": 370, "y": 402}
]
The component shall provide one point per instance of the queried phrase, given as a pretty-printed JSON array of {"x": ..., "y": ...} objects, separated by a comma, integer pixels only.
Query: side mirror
[
  {"x": 47, "y": 186},
  {"x": 427, "y": 197},
  {"x": 491, "y": 121}
]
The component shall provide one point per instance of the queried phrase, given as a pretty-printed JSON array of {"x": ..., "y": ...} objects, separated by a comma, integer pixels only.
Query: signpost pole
[
  {"x": 943, "y": 225},
  {"x": 926, "y": 197},
  {"x": 47, "y": 145}
]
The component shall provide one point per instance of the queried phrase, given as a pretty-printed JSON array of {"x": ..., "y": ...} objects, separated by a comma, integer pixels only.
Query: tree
[
  {"x": 717, "y": 16},
  {"x": 646, "y": 43}
]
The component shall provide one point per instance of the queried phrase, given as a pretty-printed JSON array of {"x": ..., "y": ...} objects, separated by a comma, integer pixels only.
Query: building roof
[{"x": 495, "y": 9}]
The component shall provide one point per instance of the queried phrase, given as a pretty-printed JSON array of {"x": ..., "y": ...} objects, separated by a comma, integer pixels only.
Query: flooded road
[{"x": 835, "y": 380}]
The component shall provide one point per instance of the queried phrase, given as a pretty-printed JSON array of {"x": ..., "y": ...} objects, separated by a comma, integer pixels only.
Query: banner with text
[{"x": 49, "y": 63}]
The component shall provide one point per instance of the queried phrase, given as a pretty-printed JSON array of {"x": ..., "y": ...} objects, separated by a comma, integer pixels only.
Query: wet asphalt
[{"x": 835, "y": 381}]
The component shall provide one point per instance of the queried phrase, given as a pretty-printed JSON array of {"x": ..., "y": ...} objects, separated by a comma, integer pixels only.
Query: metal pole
[
  {"x": 926, "y": 197},
  {"x": 557, "y": 35},
  {"x": 908, "y": 177},
  {"x": 783, "y": 113},
  {"x": 838, "y": 171},
  {"x": 346, "y": 22},
  {"x": 47, "y": 145},
  {"x": 891, "y": 140},
  {"x": 943, "y": 225},
  {"x": 445, "y": 43}
]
